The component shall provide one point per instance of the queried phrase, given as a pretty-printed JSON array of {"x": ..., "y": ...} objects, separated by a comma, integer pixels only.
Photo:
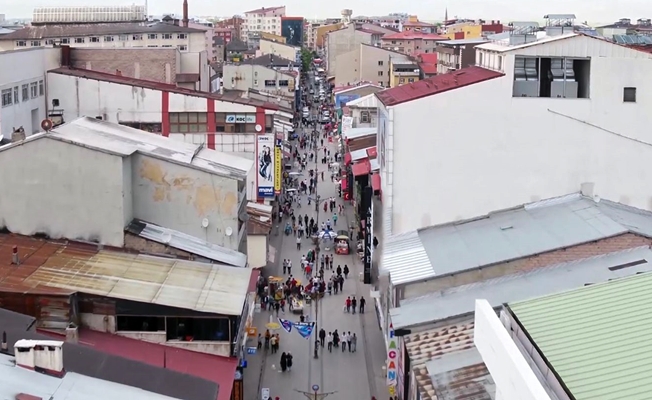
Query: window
[
  {"x": 380, "y": 63},
  {"x": 167, "y": 36},
  {"x": 270, "y": 82},
  {"x": 182, "y": 47},
  {"x": 182, "y": 36},
  {"x": 79, "y": 40},
  {"x": 16, "y": 95},
  {"x": 108, "y": 38},
  {"x": 65, "y": 41},
  {"x": 219, "y": 128},
  {"x": 94, "y": 39},
  {"x": 6, "y": 97},
  {"x": 41, "y": 88},
  {"x": 35, "y": 43},
  {"x": 284, "y": 83},
  {"x": 629, "y": 95},
  {"x": 402, "y": 80},
  {"x": 255, "y": 82},
  {"x": 206, "y": 329},
  {"x": 167, "y": 45},
  {"x": 152, "y": 36},
  {"x": 140, "y": 324},
  {"x": 33, "y": 88},
  {"x": 49, "y": 42},
  {"x": 188, "y": 122},
  {"x": 137, "y": 37},
  {"x": 123, "y": 38},
  {"x": 380, "y": 73},
  {"x": 365, "y": 117},
  {"x": 25, "y": 90},
  {"x": 152, "y": 45},
  {"x": 410, "y": 80},
  {"x": 21, "y": 43}
]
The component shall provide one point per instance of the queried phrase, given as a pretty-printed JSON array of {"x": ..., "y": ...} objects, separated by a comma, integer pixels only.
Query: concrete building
[
  {"x": 364, "y": 111},
  {"x": 393, "y": 20},
  {"x": 414, "y": 25},
  {"x": 89, "y": 14},
  {"x": 266, "y": 19},
  {"x": 321, "y": 32},
  {"x": 22, "y": 85},
  {"x": 403, "y": 71},
  {"x": 344, "y": 94},
  {"x": 589, "y": 109},
  {"x": 456, "y": 54},
  {"x": 279, "y": 49},
  {"x": 344, "y": 41},
  {"x": 427, "y": 64},
  {"x": 236, "y": 23},
  {"x": 473, "y": 29},
  {"x": 272, "y": 37},
  {"x": 131, "y": 174},
  {"x": 624, "y": 26},
  {"x": 366, "y": 63},
  {"x": 411, "y": 43},
  {"x": 116, "y": 35},
  {"x": 243, "y": 77}
]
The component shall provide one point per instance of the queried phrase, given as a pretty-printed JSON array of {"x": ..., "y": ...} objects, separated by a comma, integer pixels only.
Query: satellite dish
[
  {"x": 204, "y": 223},
  {"x": 167, "y": 238},
  {"x": 229, "y": 231},
  {"x": 46, "y": 125},
  {"x": 258, "y": 128}
]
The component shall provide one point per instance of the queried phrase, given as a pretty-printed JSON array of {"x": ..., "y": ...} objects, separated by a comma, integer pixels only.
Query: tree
[{"x": 306, "y": 59}]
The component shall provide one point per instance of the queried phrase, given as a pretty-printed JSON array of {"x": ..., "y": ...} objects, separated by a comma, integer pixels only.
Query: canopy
[{"x": 326, "y": 234}]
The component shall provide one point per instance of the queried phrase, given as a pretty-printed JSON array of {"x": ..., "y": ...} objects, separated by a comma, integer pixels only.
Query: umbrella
[
  {"x": 326, "y": 234},
  {"x": 272, "y": 326}
]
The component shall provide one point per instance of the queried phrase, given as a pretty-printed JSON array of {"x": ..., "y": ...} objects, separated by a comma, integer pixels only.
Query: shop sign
[
  {"x": 392, "y": 357},
  {"x": 240, "y": 119},
  {"x": 278, "y": 173}
]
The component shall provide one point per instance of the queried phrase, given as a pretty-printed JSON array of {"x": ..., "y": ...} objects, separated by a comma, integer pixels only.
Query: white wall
[
  {"x": 245, "y": 77},
  {"x": 66, "y": 191},
  {"x": 257, "y": 251},
  {"x": 279, "y": 49},
  {"x": 510, "y": 151},
  {"x": 23, "y": 67},
  {"x": 514, "y": 378}
]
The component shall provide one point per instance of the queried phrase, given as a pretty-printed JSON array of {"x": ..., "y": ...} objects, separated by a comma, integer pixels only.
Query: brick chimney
[
  {"x": 185, "y": 13},
  {"x": 45, "y": 356}
]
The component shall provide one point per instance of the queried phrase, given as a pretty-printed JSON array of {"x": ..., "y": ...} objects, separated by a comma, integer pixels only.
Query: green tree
[{"x": 306, "y": 59}]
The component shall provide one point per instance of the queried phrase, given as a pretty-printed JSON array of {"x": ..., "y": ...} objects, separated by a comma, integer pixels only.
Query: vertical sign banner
[
  {"x": 264, "y": 150},
  {"x": 367, "y": 212},
  {"x": 278, "y": 173},
  {"x": 392, "y": 357}
]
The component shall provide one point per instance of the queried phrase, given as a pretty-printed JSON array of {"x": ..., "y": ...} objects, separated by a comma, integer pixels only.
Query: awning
[
  {"x": 347, "y": 159},
  {"x": 372, "y": 152},
  {"x": 361, "y": 168},
  {"x": 375, "y": 182},
  {"x": 344, "y": 184}
]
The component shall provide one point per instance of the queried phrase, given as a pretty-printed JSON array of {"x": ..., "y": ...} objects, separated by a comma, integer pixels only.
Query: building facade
[
  {"x": 473, "y": 29},
  {"x": 321, "y": 32},
  {"x": 279, "y": 49},
  {"x": 413, "y": 24},
  {"x": 248, "y": 76},
  {"x": 411, "y": 43},
  {"x": 366, "y": 63},
  {"x": 595, "y": 116},
  {"x": 402, "y": 72},
  {"x": 455, "y": 54},
  {"x": 343, "y": 41},
  {"x": 266, "y": 19}
]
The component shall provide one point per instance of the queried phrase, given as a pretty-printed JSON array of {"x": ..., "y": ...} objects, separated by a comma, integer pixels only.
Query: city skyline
[{"x": 594, "y": 11}]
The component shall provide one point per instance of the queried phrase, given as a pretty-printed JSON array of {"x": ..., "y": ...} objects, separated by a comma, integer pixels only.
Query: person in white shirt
[
  {"x": 329, "y": 341},
  {"x": 345, "y": 339},
  {"x": 289, "y": 267}
]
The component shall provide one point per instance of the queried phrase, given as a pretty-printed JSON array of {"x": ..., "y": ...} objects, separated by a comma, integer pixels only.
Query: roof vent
[
  {"x": 627, "y": 265},
  {"x": 504, "y": 228}
]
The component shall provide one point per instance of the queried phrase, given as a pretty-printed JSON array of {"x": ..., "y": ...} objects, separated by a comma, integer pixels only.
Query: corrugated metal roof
[
  {"x": 354, "y": 133},
  {"x": 368, "y": 101},
  {"x": 351, "y": 88},
  {"x": 595, "y": 337},
  {"x": 124, "y": 141},
  {"x": 505, "y": 47},
  {"x": 447, "y": 365},
  {"x": 191, "y": 244},
  {"x": 405, "y": 259},
  {"x": 525, "y": 231},
  {"x": 445, "y": 304},
  {"x": 457, "y": 42},
  {"x": 49, "y": 267}
]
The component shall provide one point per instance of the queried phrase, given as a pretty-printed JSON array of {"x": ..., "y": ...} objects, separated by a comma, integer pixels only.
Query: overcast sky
[{"x": 593, "y": 11}]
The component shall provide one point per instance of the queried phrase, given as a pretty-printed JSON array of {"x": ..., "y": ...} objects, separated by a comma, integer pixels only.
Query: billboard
[
  {"x": 342, "y": 99},
  {"x": 292, "y": 30},
  {"x": 278, "y": 174},
  {"x": 265, "y": 157}
]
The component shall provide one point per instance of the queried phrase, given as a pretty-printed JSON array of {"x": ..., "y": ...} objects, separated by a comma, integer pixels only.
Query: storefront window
[{"x": 188, "y": 123}]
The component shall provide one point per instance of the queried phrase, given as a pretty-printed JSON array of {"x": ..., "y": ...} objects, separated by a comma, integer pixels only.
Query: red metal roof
[
  {"x": 435, "y": 85},
  {"x": 125, "y": 80},
  {"x": 411, "y": 35},
  {"x": 361, "y": 168},
  {"x": 291, "y": 18},
  {"x": 207, "y": 366},
  {"x": 428, "y": 57},
  {"x": 368, "y": 31},
  {"x": 372, "y": 152},
  {"x": 375, "y": 182},
  {"x": 428, "y": 68}
]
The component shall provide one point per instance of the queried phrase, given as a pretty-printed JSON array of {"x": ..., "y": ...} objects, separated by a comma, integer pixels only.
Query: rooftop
[
  {"x": 350, "y": 88},
  {"x": 264, "y": 9},
  {"x": 428, "y": 57},
  {"x": 124, "y": 141},
  {"x": 447, "y": 365},
  {"x": 594, "y": 338},
  {"x": 355, "y": 133},
  {"x": 93, "y": 363},
  {"x": 428, "y": 68},
  {"x": 458, "y": 301},
  {"x": 418, "y": 23},
  {"x": 461, "y": 42},
  {"x": 268, "y": 60},
  {"x": 125, "y": 80},
  {"x": 190, "y": 244},
  {"x": 64, "y": 268},
  {"x": 508, "y": 235},
  {"x": 435, "y": 85},
  {"x": 101, "y": 29},
  {"x": 412, "y": 35},
  {"x": 368, "y": 101},
  {"x": 236, "y": 45}
]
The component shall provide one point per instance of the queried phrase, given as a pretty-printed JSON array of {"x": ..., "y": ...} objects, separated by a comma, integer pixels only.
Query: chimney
[
  {"x": 3, "y": 346},
  {"x": 185, "y": 13},
  {"x": 118, "y": 72},
  {"x": 72, "y": 333},
  {"x": 15, "y": 259},
  {"x": 45, "y": 356}
]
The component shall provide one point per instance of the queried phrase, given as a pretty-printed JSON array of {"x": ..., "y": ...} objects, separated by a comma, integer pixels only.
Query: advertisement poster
[
  {"x": 347, "y": 123},
  {"x": 292, "y": 30},
  {"x": 342, "y": 99},
  {"x": 392, "y": 357},
  {"x": 264, "y": 150},
  {"x": 368, "y": 207},
  {"x": 278, "y": 174}
]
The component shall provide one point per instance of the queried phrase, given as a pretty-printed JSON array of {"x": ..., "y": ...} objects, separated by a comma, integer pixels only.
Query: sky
[{"x": 593, "y": 11}]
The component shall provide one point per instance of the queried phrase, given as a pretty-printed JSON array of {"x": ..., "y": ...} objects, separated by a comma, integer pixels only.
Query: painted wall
[
  {"x": 25, "y": 67},
  {"x": 257, "y": 251},
  {"x": 341, "y": 42},
  {"x": 365, "y": 64},
  {"x": 279, "y": 49},
  {"x": 61, "y": 199},
  {"x": 179, "y": 198},
  {"x": 245, "y": 77},
  {"x": 519, "y": 150}
]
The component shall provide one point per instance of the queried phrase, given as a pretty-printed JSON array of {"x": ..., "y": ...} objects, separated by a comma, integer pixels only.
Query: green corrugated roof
[{"x": 597, "y": 338}]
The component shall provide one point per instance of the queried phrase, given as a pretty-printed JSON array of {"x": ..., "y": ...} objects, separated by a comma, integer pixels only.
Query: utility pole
[{"x": 315, "y": 394}]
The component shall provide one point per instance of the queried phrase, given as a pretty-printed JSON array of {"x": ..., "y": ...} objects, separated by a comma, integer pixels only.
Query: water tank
[{"x": 346, "y": 15}]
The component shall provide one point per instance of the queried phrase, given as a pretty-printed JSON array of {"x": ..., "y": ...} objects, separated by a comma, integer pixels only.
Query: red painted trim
[
  {"x": 212, "y": 125},
  {"x": 165, "y": 113}
]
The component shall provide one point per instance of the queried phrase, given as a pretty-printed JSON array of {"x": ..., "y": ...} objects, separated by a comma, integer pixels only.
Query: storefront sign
[
  {"x": 367, "y": 204},
  {"x": 392, "y": 357},
  {"x": 240, "y": 119},
  {"x": 266, "y": 169},
  {"x": 277, "y": 169}
]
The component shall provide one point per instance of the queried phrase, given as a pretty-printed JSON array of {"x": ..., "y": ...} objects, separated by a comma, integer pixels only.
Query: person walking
[
  {"x": 290, "y": 267},
  {"x": 346, "y": 271},
  {"x": 298, "y": 242},
  {"x": 347, "y": 304},
  {"x": 329, "y": 342},
  {"x": 288, "y": 360},
  {"x": 322, "y": 336},
  {"x": 362, "y": 304},
  {"x": 344, "y": 341},
  {"x": 285, "y": 266},
  {"x": 354, "y": 343},
  {"x": 284, "y": 362},
  {"x": 348, "y": 341},
  {"x": 272, "y": 343},
  {"x": 354, "y": 304},
  {"x": 334, "y": 219}
]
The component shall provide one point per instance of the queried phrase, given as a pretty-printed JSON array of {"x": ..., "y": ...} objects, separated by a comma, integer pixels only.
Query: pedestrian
[
  {"x": 284, "y": 362},
  {"x": 341, "y": 279},
  {"x": 285, "y": 266},
  {"x": 290, "y": 267},
  {"x": 339, "y": 270},
  {"x": 322, "y": 176},
  {"x": 354, "y": 343},
  {"x": 288, "y": 360},
  {"x": 346, "y": 271},
  {"x": 298, "y": 242},
  {"x": 322, "y": 336},
  {"x": 260, "y": 341},
  {"x": 329, "y": 342},
  {"x": 362, "y": 304},
  {"x": 272, "y": 343},
  {"x": 334, "y": 219},
  {"x": 354, "y": 304},
  {"x": 277, "y": 307},
  {"x": 348, "y": 340},
  {"x": 344, "y": 341},
  {"x": 347, "y": 304},
  {"x": 331, "y": 263}
]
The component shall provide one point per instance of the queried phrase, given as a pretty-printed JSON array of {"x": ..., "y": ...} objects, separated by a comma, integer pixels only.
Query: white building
[
  {"x": 89, "y": 14},
  {"x": 248, "y": 76},
  {"x": 364, "y": 111},
  {"x": 266, "y": 19},
  {"x": 530, "y": 139},
  {"x": 114, "y": 35},
  {"x": 114, "y": 174},
  {"x": 22, "y": 85},
  {"x": 279, "y": 49}
]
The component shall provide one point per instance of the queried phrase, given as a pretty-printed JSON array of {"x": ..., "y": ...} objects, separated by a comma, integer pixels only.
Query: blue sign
[
  {"x": 342, "y": 99},
  {"x": 251, "y": 350}
]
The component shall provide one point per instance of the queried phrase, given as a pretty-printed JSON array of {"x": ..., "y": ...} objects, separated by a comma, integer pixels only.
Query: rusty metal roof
[
  {"x": 446, "y": 364},
  {"x": 51, "y": 267}
]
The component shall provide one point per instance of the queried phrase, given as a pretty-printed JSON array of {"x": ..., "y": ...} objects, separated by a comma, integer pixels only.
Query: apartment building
[
  {"x": 473, "y": 29},
  {"x": 276, "y": 82},
  {"x": 114, "y": 35},
  {"x": 346, "y": 40},
  {"x": 236, "y": 23},
  {"x": 366, "y": 63},
  {"x": 414, "y": 25},
  {"x": 412, "y": 43},
  {"x": 402, "y": 71},
  {"x": 321, "y": 32},
  {"x": 456, "y": 54},
  {"x": 265, "y": 19}
]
